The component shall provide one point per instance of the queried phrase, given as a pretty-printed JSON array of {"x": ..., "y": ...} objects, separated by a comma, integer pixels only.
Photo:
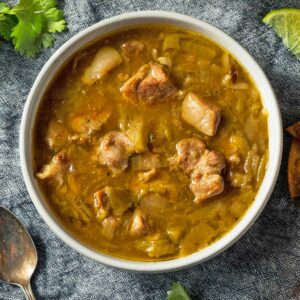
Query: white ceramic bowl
[{"x": 112, "y": 24}]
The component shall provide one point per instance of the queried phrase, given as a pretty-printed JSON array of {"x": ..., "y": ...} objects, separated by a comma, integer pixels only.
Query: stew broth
[{"x": 110, "y": 153}]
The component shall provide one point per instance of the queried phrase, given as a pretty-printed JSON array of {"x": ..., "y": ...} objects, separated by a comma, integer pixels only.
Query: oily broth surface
[{"x": 243, "y": 128}]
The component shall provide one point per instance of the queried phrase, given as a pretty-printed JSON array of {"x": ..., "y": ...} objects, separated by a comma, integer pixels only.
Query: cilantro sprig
[
  {"x": 177, "y": 292},
  {"x": 30, "y": 25}
]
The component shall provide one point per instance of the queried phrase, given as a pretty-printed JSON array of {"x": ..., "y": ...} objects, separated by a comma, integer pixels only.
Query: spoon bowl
[{"x": 18, "y": 256}]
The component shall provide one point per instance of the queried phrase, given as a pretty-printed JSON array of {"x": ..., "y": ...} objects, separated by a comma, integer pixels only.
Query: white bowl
[{"x": 85, "y": 37}]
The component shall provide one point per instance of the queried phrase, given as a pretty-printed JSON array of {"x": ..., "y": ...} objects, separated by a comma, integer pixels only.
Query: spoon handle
[{"x": 28, "y": 291}]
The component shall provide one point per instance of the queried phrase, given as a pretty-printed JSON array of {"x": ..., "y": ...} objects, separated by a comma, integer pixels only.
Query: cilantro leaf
[
  {"x": 56, "y": 23},
  {"x": 46, "y": 40},
  {"x": 30, "y": 23},
  {"x": 3, "y": 8},
  {"x": 177, "y": 292},
  {"x": 7, "y": 23},
  {"x": 47, "y": 4},
  {"x": 24, "y": 39}
]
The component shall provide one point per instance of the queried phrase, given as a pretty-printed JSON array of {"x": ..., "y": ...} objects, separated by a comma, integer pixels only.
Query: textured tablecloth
[{"x": 264, "y": 264}]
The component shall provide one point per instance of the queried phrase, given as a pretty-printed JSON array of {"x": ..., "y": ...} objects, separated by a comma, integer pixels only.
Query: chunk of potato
[
  {"x": 202, "y": 115},
  {"x": 105, "y": 60}
]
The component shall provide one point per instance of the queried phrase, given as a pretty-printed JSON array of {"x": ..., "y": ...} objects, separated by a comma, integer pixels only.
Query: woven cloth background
[{"x": 264, "y": 264}]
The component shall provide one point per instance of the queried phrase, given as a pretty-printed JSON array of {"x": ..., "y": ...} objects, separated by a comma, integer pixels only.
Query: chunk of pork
[
  {"x": 114, "y": 151},
  {"x": 151, "y": 84}
]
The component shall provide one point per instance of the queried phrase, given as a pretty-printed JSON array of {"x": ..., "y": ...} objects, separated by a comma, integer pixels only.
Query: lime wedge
[{"x": 286, "y": 23}]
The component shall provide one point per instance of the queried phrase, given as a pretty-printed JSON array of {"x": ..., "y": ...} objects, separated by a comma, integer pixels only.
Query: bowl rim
[{"x": 262, "y": 197}]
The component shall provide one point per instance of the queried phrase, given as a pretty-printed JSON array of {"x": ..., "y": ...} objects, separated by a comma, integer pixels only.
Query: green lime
[{"x": 286, "y": 23}]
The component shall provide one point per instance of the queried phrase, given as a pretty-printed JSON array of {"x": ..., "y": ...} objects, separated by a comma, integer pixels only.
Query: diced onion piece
[
  {"x": 240, "y": 142},
  {"x": 105, "y": 60},
  {"x": 166, "y": 61},
  {"x": 171, "y": 41},
  {"x": 239, "y": 86},
  {"x": 202, "y": 232},
  {"x": 156, "y": 245},
  {"x": 109, "y": 226},
  {"x": 251, "y": 164},
  {"x": 138, "y": 226},
  {"x": 137, "y": 133},
  {"x": 147, "y": 175},
  {"x": 176, "y": 233},
  {"x": 234, "y": 158},
  {"x": 145, "y": 162},
  {"x": 203, "y": 116},
  {"x": 56, "y": 135},
  {"x": 226, "y": 79},
  {"x": 226, "y": 61},
  {"x": 119, "y": 200},
  {"x": 154, "y": 54},
  {"x": 198, "y": 50},
  {"x": 261, "y": 169},
  {"x": 78, "y": 124},
  {"x": 154, "y": 205}
]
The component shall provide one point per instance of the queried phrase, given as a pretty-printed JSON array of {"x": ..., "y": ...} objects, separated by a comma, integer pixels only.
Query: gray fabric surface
[{"x": 264, "y": 264}]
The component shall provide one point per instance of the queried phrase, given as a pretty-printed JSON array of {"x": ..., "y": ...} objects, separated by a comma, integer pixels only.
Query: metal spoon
[{"x": 18, "y": 257}]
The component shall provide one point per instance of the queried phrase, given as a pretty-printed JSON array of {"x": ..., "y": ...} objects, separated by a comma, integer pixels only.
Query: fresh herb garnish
[
  {"x": 177, "y": 292},
  {"x": 30, "y": 24}
]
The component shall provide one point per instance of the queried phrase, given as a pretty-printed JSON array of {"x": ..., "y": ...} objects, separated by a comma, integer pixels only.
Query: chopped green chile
[{"x": 119, "y": 187}]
